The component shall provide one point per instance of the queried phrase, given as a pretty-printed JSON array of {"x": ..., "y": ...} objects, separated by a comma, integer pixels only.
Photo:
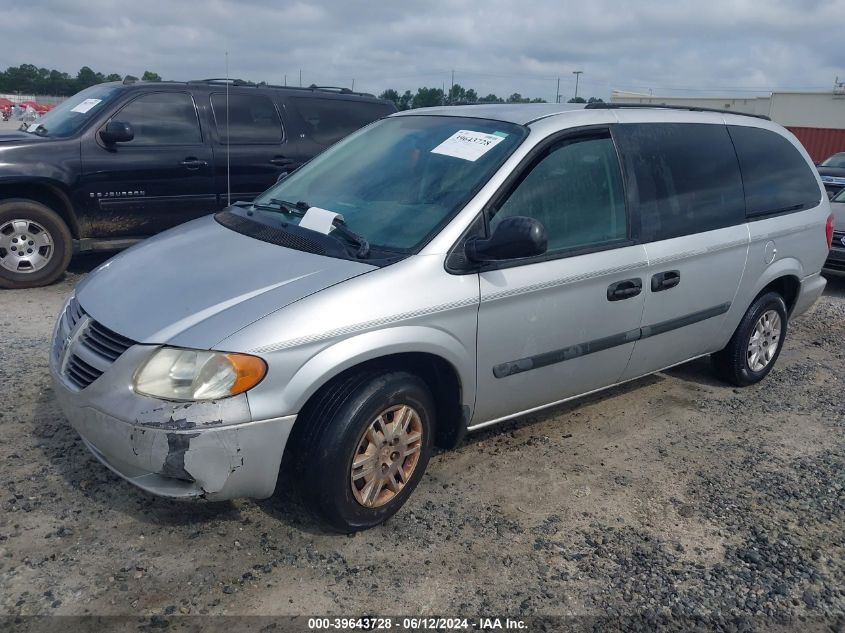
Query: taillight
[{"x": 828, "y": 231}]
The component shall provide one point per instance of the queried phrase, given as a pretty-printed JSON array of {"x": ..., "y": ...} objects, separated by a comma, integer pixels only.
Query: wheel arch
[
  {"x": 784, "y": 277},
  {"x": 50, "y": 194},
  {"x": 433, "y": 355}
]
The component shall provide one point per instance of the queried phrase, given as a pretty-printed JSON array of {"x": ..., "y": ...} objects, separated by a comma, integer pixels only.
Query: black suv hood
[{"x": 19, "y": 137}]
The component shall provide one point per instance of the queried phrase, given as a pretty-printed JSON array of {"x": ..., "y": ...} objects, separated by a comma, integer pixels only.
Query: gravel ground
[{"x": 673, "y": 500}]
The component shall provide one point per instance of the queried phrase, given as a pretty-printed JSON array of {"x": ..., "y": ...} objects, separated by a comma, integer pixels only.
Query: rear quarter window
[
  {"x": 682, "y": 178},
  {"x": 329, "y": 120},
  {"x": 251, "y": 119},
  {"x": 776, "y": 177}
]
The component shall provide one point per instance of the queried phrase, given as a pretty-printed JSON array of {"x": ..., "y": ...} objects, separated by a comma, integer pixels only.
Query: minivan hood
[{"x": 197, "y": 284}]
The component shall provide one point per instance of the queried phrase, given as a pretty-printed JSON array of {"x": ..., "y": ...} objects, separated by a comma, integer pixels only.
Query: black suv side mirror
[
  {"x": 516, "y": 237},
  {"x": 116, "y": 132}
]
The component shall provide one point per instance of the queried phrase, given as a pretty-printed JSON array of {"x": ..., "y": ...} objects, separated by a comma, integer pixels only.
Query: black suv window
[
  {"x": 162, "y": 118},
  {"x": 252, "y": 119},
  {"x": 329, "y": 120},
  {"x": 682, "y": 177},
  {"x": 575, "y": 191},
  {"x": 775, "y": 175}
]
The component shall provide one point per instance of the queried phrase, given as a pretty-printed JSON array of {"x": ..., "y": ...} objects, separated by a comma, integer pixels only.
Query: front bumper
[{"x": 211, "y": 450}]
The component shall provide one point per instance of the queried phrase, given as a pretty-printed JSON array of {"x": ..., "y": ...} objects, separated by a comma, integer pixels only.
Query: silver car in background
[{"x": 438, "y": 272}]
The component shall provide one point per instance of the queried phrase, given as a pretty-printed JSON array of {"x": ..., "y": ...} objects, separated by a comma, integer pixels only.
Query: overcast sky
[{"x": 500, "y": 46}]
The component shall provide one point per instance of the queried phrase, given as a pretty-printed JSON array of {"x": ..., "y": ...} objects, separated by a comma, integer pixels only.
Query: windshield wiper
[
  {"x": 291, "y": 208},
  {"x": 39, "y": 131},
  {"x": 300, "y": 208},
  {"x": 360, "y": 241}
]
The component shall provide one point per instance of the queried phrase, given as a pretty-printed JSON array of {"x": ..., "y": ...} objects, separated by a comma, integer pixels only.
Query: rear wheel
[
  {"x": 363, "y": 447},
  {"x": 35, "y": 244},
  {"x": 756, "y": 343}
]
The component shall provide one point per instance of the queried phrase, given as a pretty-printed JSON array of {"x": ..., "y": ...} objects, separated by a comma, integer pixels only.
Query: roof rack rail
[
  {"x": 222, "y": 80},
  {"x": 663, "y": 106},
  {"x": 251, "y": 84}
]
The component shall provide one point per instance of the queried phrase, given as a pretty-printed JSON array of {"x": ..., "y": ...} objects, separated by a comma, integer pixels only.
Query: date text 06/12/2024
[{"x": 416, "y": 624}]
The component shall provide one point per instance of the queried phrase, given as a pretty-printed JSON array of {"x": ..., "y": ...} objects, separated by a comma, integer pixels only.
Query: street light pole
[{"x": 577, "y": 74}]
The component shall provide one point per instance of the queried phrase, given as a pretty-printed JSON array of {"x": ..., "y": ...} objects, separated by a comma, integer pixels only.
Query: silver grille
[{"x": 85, "y": 348}]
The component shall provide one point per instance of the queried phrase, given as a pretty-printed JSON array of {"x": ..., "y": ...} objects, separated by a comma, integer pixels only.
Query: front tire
[
  {"x": 756, "y": 344},
  {"x": 35, "y": 244},
  {"x": 363, "y": 447}
]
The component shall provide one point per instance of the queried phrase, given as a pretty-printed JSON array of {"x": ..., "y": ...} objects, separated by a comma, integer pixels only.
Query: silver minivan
[{"x": 435, "y": 273}]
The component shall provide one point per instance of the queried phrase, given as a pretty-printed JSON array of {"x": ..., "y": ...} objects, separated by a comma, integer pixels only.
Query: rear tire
[
  {"x": 357, "y": 421},
  {"x": 756, "y": 344},
  {"x": 35, "y": 244}
]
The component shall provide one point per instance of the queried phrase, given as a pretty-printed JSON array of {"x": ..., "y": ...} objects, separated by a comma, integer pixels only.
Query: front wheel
[
  {"x": 364, "y": 446},
  {"x": 35, "y": 244},
  {"x": 755, "y": 346}
]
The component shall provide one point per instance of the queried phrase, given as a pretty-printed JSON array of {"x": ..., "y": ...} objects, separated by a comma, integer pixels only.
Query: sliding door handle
[{"x": 665, "y": 280}]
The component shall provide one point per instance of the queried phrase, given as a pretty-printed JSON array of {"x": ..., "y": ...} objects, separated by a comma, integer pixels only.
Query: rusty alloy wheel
[{"x": 387, "y": 454}]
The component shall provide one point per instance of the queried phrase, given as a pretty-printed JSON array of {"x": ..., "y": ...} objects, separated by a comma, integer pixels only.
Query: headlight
[{"x": 186, "y": 374}]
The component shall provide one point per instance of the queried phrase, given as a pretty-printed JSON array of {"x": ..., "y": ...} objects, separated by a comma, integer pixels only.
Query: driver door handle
[
  {"x": 624, "y": 289},
  {"x": 281, "y": 161}
]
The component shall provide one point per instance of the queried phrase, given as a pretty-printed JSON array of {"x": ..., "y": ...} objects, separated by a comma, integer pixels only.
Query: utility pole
[
  {"x": 353, "y": 85},
  {"x": 300, "y": 78},
  {"x": 557, "y": 92},
  {"x": 286, "y": 80},
  {"x": 577, "y": 74},
  {"x": 451, "y": 88}
]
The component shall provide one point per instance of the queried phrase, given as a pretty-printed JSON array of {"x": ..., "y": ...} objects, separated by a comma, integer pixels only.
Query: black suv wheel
[{"x": 35, "y": 244}]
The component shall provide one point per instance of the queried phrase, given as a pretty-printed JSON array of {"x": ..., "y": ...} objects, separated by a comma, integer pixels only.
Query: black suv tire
[{"x": 24, "y": 238}]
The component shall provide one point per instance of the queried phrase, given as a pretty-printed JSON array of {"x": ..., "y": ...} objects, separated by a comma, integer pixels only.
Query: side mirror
[
  {"x": 116, "y": 132},
  {"x": 516, "y": 237}
]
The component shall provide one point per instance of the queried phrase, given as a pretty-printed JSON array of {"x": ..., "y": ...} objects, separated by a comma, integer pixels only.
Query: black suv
[{"x": 121, "y": 161}]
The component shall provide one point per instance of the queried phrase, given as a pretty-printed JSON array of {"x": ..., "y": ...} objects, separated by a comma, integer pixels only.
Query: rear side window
[
  {"x": 683, "y": 178},
  {"x": 776, "y": 177},
  {"x": 162, "y": 118},
  {"x": 329, "y": 120},
  {"x": 252, "y": 119}
]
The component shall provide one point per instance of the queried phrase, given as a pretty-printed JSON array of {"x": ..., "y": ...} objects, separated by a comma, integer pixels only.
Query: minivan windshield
[
  {"x": 837, "y": 160},
  {"x": 397, "y": 181},
  {"x": 72, "y": 113}
]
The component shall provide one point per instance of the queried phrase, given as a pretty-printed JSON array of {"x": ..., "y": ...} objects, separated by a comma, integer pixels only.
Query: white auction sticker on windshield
[
  {"x": 33, "y": 126},
  {"x": 86, "y": 105},
  {"x": 468, "y": 145}
]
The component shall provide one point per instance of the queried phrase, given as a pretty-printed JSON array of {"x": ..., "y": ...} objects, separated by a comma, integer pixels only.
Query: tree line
[
  {"x": 458, "y": 95},
  {"x": 31, "y": 80}
]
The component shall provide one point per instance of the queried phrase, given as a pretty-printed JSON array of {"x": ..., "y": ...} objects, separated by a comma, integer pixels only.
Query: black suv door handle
[
  {"x": 191, "y": 162},
  {"x": 281, "y": 161},
  {"x": 624, "y": 289},
  {"x": 665, "y": 280}
]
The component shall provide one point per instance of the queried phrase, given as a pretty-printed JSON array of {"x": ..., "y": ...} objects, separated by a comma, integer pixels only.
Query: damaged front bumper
[{"x": 211, "y": 450}]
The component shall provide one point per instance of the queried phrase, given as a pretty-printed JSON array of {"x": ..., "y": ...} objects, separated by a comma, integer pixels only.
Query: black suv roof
[{"x": 218, "y": 82}]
